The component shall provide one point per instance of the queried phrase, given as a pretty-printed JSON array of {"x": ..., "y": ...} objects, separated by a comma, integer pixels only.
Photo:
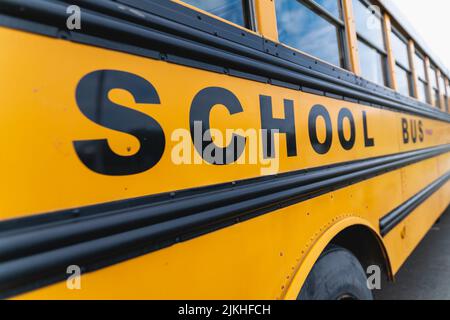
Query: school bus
[{"x": 239, "y": 149}]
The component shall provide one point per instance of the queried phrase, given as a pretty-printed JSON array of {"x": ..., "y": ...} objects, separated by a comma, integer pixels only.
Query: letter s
[{"x": 92, "y": 99}]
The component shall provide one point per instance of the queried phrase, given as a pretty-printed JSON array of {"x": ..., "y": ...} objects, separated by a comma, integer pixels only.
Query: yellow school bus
[{"x": 239, "y": 149}]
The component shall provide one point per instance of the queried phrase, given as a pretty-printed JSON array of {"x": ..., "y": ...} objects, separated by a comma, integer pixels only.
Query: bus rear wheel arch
[
  {"x": 358, "y": 245},
  {"x": 337, "y": 275}
]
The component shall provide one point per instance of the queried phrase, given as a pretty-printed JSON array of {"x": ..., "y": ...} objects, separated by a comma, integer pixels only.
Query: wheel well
[{"x": 366, "y": 246}]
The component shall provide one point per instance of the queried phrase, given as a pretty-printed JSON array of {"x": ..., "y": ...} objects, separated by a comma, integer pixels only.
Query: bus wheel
[{"x": 337, "y": 275}]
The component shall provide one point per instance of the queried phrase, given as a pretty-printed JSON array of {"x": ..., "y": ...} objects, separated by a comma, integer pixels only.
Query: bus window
[
  {"x": 372, "y": 50},
  {"x": 403, "y": 81},
  {"x": 369, "y": 23},
  {"x": 332, "y": 6},
  {"x": 373, "y": 64},
  {"x": 422, "y": 82},
  {"x": 309, "y": 27},
  {"x": 442, "y": 89},
  {"x": 402, "y": 68},
  {"x": 434, "y": 86},
  {"x": 447, "y": 96},
  {"x": 232, "y": 10}
]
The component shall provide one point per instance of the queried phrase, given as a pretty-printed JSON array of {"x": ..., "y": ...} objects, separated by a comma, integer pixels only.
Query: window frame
[
  {"x": 339, "y": 24},
  {"x": 250, "y": 15},
  {"x": 248, "y": 12}
]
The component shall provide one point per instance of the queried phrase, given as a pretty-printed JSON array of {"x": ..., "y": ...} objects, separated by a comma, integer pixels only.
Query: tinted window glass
[
  {"x": 372, "y": 64},
  {"x": 332, "y": 6},
  {"x": 400, "y": 50},
  {"x": 402, "y": 81},
  {"x": 420, "y": 67},
  {"x": 301, "y": 28},
  {"x": 368, "y": 24},
  {"x": 422, "y": 91},
  {"x": 231, "y": 10}
]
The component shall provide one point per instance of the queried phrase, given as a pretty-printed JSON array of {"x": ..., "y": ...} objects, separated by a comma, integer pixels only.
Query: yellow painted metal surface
[
  {"x": 46, "y": 106},
  {"x": 441, "y": 90},
  {"x": 412, "y": 65},
  {"x": 401, "y": 241},
  {"x": 267, "y": 257},
  {"x": 350, "y": 33},
  {"x": 429, "y": 86},
  {"x": 266, "y": 19},
  {"x": 258, "y": 258},
  {"x": 390, "y": 54}
]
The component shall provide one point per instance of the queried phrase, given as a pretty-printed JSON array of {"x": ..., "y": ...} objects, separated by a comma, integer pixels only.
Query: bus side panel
[
  {"x": 444, "y": 167},
  {"x": 403, "y": 239},
  {"x": 256, "y": 259},
  {"x": 43, "y": 120}
]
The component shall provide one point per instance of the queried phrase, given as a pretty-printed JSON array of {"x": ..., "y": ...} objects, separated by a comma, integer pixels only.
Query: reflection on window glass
[
  {"x": 433, "y": 77},
  {"x": 442, "y": 85},
  {"x": 231, "y": 10},
  {"x": 368, "y": 24},
  {"x": 402, "y": 81},
  {"x": 372, "y": 64},
  {"x": 420, "y": 67},
  {"x": 301, "y": 28},
  {"x": 400, "y": 50},
  {"x": 422, "y": 91},
  {"x": 437, "y": 99},
  {"x": 332, "y": 6},
  {"x": 447, "y": 99}
]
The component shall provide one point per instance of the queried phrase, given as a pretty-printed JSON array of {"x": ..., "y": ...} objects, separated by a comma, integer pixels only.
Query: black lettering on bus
[
  {"x": 405, "y": 131},
  {"x": 272, "y": 125},
  {"x": 316, "y": 112},
  {"x": 345, "y": 113},
  {"x": 413, "y": 131},
  {"x": 368, "y": 142},
  {"x": 201, "y": 108},
  {"x": 92, "y": 99},
  {"x": 421, "y": 135}
]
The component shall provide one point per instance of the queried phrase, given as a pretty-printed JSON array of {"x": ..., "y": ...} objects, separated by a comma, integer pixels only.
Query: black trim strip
[
  {"x": 396, "y": 216},
  {"x": 165, "y": 30},
  {"x": 36, "y": 251}
]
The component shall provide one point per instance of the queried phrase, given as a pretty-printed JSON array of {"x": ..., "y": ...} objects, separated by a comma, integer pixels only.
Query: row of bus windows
[{"x": 317, "y": 27}]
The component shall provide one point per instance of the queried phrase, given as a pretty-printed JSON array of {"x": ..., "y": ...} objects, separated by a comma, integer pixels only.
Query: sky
[{"x": 430, "y": 19}]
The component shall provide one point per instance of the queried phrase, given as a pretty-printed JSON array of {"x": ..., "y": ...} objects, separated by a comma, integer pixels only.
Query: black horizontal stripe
[
  {"x": 36, "y": 251},
  {"x": 396, "y": 216},
  {"x": 169, "y": 31}
]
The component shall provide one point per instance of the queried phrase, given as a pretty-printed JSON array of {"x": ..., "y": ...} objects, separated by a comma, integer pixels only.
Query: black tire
[{"x": 337, "y": 275}]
